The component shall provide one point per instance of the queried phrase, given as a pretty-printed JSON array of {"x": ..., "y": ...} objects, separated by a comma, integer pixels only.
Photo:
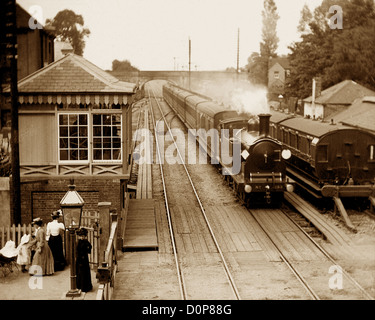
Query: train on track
[
  {"x": 261, "y": 175},
  {"x": 325, "y": 158},
  {"x": 328, "y": 159}
]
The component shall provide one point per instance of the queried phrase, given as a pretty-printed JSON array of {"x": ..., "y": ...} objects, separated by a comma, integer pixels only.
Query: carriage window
[
  {"x": 298, "y": 141},
  {"x": 372, "y": 152},
  {"x": 322, "y": 153},
  {"x": 73, "y": 137},
  {"x": 292, "y": 139},
  {"x": 285, "y": 136}
]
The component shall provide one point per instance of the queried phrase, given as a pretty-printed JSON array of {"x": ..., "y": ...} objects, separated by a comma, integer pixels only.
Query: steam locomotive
[{"x": 259, "y": 177}]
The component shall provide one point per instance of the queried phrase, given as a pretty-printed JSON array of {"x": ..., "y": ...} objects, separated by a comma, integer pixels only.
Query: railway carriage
[
  {"x": 262, "y": 177},
  {"x": 329, "y": 159}
]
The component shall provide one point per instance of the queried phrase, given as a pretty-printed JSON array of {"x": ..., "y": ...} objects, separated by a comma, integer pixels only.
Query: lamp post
[{"x": 71, "y": 206}]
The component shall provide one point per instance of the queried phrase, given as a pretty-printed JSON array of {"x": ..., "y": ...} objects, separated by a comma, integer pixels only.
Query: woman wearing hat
[
  {"x": 55, "y": 240},
  {"x": 82, "y": 263},
  {"x": 43, "y": 257}
]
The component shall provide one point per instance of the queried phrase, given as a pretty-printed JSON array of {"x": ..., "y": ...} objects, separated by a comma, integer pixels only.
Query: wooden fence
[
  {"x": 107, "y": 270},
  {"x": 90, "y": 220}
]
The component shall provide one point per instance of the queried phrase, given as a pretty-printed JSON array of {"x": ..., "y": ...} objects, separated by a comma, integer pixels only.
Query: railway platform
[
  {"x": 330, "y": 231},
  {"x": 20, "y": 286}
]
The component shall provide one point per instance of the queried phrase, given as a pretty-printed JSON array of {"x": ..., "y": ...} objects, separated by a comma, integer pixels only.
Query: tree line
[{"x": 333, "y": 54}]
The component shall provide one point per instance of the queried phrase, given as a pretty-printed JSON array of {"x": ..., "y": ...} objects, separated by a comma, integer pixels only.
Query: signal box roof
[
  {"x": 73, "y": 80},
  {"x": 73, "y": 74}
]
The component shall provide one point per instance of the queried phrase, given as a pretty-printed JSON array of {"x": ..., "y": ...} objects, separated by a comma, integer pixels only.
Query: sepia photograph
[{"x": 185, "y": 157}]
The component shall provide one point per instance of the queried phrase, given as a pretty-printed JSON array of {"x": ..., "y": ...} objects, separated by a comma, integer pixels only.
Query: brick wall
[{"x": 40, "y": 198}]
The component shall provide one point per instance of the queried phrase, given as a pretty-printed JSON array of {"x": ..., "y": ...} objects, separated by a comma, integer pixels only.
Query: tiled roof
[
  {"x": 284, "y": 62},
  {"x": 360, "y": 114},
  {"x": 73, "y": 74},
  {"x": 344, "y": 92}
]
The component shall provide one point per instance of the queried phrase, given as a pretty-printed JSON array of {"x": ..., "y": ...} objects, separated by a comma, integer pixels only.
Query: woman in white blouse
[{"x": 54, "y": 239}]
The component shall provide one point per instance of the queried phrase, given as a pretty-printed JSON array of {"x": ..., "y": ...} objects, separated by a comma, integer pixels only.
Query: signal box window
[
  {"x": 107, "y": 137},
  {"x": 73, "y": 137}
]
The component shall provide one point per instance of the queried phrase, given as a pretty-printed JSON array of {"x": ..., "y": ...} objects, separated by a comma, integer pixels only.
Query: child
[{"x": 24, "y": 252}]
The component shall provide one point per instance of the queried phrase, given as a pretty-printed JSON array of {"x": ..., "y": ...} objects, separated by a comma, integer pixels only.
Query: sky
[{"x": 154, "y": 34}]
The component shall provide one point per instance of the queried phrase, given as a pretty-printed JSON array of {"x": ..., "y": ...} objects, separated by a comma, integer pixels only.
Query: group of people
[{"x": 43, "y": 252}]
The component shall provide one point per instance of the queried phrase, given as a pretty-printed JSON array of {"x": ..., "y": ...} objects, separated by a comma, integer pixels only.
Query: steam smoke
[
  {"x": 242, "y": 97},
  {"x": 251, "y": 100}
]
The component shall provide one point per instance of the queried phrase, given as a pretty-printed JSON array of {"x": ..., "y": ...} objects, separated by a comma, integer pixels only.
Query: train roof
[
  {"x": 203, "y": 103},
  {"x": 277, "y": 116},
  {"x": 312, "y": 127},
  {"x": 208, "y": 107},
  {"x": 237, "y": 118},
  {"x": 309, "y": 126}
]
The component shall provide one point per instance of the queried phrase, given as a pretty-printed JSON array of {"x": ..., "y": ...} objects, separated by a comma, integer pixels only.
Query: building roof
[
  {"x": 73, "y": 74},
  {"x": 344, "y": 92},
  {"x": 284, "y": 62},
  {"x": 360, "y": 114}
]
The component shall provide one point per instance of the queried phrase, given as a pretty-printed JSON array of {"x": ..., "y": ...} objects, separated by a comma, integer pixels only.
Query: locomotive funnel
[{"x": 264, "y": 124}]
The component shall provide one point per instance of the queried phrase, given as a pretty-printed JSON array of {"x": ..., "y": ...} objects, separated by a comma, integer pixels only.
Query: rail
[
  {"x": 329, "y": 257},
  {"x": 107, "y": 270},
  {"x": 180, "y": 274},
  {"x": 179, "y": 271}
]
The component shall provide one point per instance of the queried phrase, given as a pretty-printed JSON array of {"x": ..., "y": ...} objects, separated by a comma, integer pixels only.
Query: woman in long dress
[
  {"x": 55, "y": 242},
  {"x": 82, "y": 263},
  {"x": 43, "y": 263}
]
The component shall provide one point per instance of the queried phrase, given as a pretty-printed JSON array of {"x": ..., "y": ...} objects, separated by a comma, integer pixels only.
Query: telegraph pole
[
  {"x": 238, "y": 52},
  {"x": 189, "y": 63}
]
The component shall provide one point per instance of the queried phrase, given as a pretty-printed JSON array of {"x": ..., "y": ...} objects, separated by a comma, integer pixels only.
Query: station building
[
  {"x": 334, "y": 100},
  {"x": 75, "y": 124}
]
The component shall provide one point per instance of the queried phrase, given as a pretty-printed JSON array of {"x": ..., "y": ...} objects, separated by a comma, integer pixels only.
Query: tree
[
  {"x": 255, "y": 68},
  {"x": 270, "y": 41},
  {"x": 354, "y": 56},
  {"x": 259, "y": 63},
  {"x": 123, "y": 66},
  {"x": 305, "y": 20},
  {"x": 335, "y": 54},
  {"x": 69, "y": 26}
]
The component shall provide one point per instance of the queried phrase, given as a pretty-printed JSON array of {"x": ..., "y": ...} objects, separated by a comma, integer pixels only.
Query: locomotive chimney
[{"x": 264, "y": 124}]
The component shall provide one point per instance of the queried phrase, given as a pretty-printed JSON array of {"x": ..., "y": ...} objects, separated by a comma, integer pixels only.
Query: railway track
[
  {"x": 313, "y": 273},
  {"x": 182, "y": 278},
  {"x": 322, "y": 276}
]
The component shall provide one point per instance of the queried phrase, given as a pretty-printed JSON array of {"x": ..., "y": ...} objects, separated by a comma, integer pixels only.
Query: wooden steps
[{"x": 140, "y": 232}]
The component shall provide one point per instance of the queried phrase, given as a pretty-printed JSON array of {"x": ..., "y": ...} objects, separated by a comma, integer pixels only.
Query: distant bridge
[{"x": 182, "y": 78}]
